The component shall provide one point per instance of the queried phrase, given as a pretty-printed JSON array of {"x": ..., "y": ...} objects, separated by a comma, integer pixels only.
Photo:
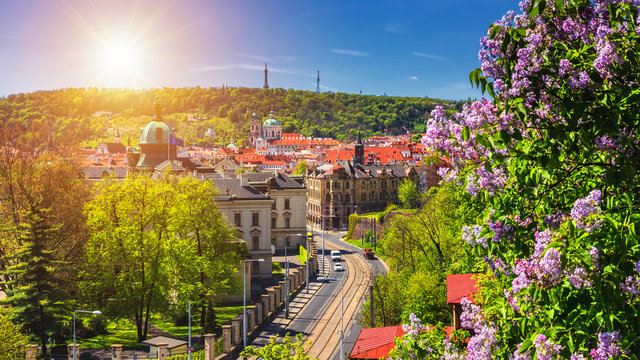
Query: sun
[{"x": 120, "y": 57}]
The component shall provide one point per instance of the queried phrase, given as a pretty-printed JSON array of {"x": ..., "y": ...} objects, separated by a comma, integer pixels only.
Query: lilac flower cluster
[
  {"x": 518, "y": 356},
  {"x": 471, "y": 234},
  {"x": 554, "y": 220},
  {"x": 586, "y": 210},
  {"x": 451, "y": 352},
  {"x": 545, "y": 349},
  {"x": 595, "y": 259},
  {"x": 415, "y": 328},
  {"x": 446, "y": 135},
  {"x": 608, "y": 346},
  {"x": 497, "y": 265},
  {"x": 484, "y": 339},
  {"x": 631, "y": 284},
  {"x": 499, "y": 229},
  {"x": 579, "y": 278},
  {"x": 544, "y": 267}
]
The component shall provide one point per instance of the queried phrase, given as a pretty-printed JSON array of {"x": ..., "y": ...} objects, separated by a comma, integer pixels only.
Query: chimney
[{"x": 243, "y": 180}]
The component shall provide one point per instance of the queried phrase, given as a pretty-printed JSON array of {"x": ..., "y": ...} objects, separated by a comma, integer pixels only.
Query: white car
[
  {"x": 338, "y": 267},
  {"x": 335, "y": 255}
]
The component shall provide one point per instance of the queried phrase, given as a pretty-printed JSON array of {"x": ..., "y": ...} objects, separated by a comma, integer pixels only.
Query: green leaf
[
  {"x": 526, "y": 345},
  {"x": 494, "y": 31},
  {"x": 466, "y": 133}
]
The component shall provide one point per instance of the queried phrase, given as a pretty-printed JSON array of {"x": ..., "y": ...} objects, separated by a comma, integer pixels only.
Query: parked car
[
  {"x": 338, "y": 267},
  {"x": 368, "y": 253},
  {"x": 335, "y": 255}
]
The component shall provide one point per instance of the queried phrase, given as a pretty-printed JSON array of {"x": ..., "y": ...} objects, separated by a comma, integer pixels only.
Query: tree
[
  {"x": 13, "y": 341},
  {"x": 288, "y": 350},
  {"x": 409, "y": 194},
  {"x": 34, "y": 293},
  {"x": 555, "y": 155},
  {"x": 156, "y": 243},
  {"x": 301, "y": 168}
]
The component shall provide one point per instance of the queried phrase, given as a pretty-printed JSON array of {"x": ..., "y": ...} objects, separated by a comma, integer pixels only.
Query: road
[
  {"x": 320, "y": 319},
  {"x": 317, "y": 315}
]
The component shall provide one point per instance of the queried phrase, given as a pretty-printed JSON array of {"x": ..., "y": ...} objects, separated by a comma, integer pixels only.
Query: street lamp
[
  {"x": 244, "y": 297},
  {"x": 322, "y": 216},
  {"x": 96, "y": 312}
]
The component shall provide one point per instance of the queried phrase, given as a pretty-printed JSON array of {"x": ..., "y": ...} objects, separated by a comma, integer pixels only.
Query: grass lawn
[{"x": 120, "y": 332}]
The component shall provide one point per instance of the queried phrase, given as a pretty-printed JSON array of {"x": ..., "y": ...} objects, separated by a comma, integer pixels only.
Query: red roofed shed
[
  {"x": 375, "y": 343},
  {"x": 458, "y": 287}
]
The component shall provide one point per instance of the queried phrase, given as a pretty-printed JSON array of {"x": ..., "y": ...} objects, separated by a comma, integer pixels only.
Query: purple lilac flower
[
  {"x": 550, "y": 268},
  {"x": 631, "y": 285},
  {"x": 577, "y": 357},
  {"x": 471, "y": 234},
  {"x": 607, "y": 346},
  {"x": 545, "y": 349},
  {"x": 595, "y": 257},
  {"x": 524, "y": 356},
  {"x": 585, "y": 209},
  {"x": 482, "y": 342},
  {"x": 499, "y": 229},
  {"x": 579, "y": 278},
  {"x": 497, "y": 265},
  {"x": 451, "y": 352},
  {"x": 554, "y": 220},
  {"x": 415, "y": 328}
]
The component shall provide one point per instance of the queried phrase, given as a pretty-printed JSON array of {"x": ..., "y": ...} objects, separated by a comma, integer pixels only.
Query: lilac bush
[{"x": 554, "y": 151}]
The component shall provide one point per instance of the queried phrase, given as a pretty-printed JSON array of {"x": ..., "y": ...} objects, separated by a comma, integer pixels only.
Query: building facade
[{"x": 338, "y": 190}]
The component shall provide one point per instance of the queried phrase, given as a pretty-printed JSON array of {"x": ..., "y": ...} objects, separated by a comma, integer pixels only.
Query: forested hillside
[{"x": 79, "y": 116}]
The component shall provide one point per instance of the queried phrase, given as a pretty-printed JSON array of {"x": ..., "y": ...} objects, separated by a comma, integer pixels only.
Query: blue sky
[{"x": 398, "y": 48}]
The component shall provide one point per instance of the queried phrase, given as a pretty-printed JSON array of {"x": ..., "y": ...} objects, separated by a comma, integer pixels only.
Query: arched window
[
  {"x": 158, "y": 134},
  {"x": 347, "y": 198}
]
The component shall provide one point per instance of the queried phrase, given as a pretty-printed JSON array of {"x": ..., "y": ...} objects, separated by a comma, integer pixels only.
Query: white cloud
[
  {"x": 392, "y": 29},
  {"x": 413, "y": 78},
  {"x": 349, "y": 52},
  {"x": 429, "y": 56},
  {"x": 254, "y": 57}
]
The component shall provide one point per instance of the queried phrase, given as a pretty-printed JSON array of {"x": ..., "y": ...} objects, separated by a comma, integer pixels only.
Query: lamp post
[
  {"x": 96, "y": 312},
  {"x": 244, "y": 297},
  {"x": 322, "y": 216}
]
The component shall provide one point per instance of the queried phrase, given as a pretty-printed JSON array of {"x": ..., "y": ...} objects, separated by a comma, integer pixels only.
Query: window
[
  {"x": 255, "y": 219},
  {"x": 287, "y": 223},
  {"x": 256, "y": 242},
  {"x": 273, "y": 222},
  {"x": 347, "y": 198},
  {"x": 273, "y": 206},
  {"x": 346, "y": 186},
  {"x": 158, "y": 134},
  {"x": 328, "y": 198},
  {"x": 328, "y": 185},
  {"x": 286, "y": 204},
  {"x": 236, "y": 219}
]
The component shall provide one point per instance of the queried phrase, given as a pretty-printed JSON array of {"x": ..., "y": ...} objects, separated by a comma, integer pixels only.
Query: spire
[
  {"x": 318, "y": 83},
  {"x": 266, "y": 82},
  {"x": 157, "y": 108},
  {"x": 358, "y": 151}
]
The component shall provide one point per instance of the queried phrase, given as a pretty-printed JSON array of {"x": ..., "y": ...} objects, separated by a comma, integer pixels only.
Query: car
[
  {"x": 335, "y": 255},
  {"x": 368, "y": 253},
  {"x": 338, "y": 267}
]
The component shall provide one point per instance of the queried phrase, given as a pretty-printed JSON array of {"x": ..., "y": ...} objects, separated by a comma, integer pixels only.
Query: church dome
[
  {"x": 156, "y": 132},
  {"x": 272, "y": 121}
]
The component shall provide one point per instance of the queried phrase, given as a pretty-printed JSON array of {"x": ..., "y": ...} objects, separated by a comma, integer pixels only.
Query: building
[
  {"x": 460, "y": 286},
  {"x": 249, "y": 210},
  {"x": 376, "y": 343},
  {"x": 336, "y": 191},
  {"x": 288, "y": 209}
]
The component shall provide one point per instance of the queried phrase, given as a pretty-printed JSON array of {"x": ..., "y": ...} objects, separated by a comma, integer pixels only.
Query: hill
[{"x": 84, "y": 116}]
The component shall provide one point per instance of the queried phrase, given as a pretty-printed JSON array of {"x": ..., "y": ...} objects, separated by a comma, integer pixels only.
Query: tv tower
[
  {"x": 318, "y": 83},
  {"x": 266, "y": 83}
]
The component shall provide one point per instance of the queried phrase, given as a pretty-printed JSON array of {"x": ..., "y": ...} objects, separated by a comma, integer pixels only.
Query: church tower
[
  {"x": 266, "y": 83},
  {"x": 254, "y": 132},
  {"x": 358, "y": 156}
]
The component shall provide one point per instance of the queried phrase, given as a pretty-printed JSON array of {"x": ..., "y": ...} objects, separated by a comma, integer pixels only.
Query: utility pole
[{"x": 371, "y": 303}]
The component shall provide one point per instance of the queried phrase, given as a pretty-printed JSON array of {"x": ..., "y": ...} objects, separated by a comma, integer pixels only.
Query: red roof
[
  {"x": 375, "y": 343},
  {"x": 459, "y": 286}
]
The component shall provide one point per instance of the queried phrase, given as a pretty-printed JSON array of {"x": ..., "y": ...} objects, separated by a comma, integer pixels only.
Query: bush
[
  {"x": 179, "y": 317},
  {"x": 98, "y": 325}
]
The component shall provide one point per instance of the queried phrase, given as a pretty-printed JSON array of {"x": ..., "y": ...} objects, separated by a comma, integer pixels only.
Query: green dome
[
  {"x": 156, "y": 132},
  {"x": 271, "y": 121}
]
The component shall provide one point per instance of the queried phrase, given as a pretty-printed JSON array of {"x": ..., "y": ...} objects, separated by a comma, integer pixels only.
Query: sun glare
[{"x": 119, "y": 57}]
